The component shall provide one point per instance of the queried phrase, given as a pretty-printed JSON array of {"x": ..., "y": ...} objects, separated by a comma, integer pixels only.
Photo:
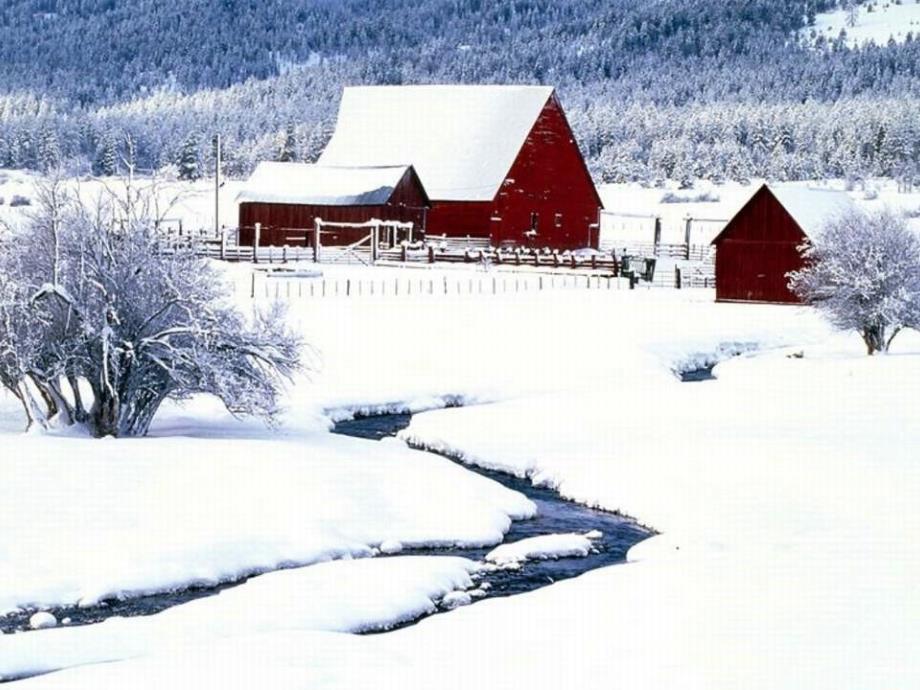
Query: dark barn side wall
[
  {"x": 548, "y": 178},
  {"x": 460, "y": 218},
  {"x": 292, "y": 224},
  {"x": 756, "y": 250}
]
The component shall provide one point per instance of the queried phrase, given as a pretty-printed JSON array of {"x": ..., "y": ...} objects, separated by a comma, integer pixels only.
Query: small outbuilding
[
  {"x": 499, "y": 162},
  {"x": 286, "y": 198},
  {"x": 760, "y": 245}
]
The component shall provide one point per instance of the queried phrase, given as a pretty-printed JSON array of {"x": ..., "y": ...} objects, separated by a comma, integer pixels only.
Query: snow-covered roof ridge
[
  {"x": 812, "y": 207},
  {"x": 329, "y": 185},
  {"x": 461, "y": 139}
]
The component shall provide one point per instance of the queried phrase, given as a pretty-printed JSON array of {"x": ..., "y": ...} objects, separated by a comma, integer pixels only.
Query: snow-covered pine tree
[
  {"x": 188, "y": 161},
  {"x": 288, "y": 150},
  {"x": 105, "y": 164}
]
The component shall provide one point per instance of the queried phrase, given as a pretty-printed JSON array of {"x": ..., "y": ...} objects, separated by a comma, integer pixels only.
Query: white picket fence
[{"x": 278, "y": 285}]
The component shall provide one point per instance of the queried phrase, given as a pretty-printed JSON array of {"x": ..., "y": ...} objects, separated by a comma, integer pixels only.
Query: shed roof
[
  {"x": 462, "y": 140},
  {"x": 809, "y": 207},
  {"x": 812, "y": 208},
  {"x": 322, "y": 185}
]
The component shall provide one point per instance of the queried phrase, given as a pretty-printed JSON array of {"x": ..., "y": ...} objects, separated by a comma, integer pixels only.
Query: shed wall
[
  {"x": 755, "y": 252},
  {"x": 292, "y": 224}
]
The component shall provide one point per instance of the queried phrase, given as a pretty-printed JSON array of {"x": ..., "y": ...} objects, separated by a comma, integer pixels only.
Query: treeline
[{"x": 661, "y": 88}]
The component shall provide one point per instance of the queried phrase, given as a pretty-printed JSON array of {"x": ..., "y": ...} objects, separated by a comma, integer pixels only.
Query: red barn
[
  {"x": 759, "y": 246},
  {"x": 285, "y": 198},
  {"x": 497, "y": 161}
]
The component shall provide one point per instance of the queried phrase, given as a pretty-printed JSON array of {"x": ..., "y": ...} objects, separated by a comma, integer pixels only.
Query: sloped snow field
[{"x": 785, "y": 490}]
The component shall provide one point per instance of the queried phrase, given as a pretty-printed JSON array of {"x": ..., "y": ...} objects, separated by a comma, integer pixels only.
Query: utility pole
[{"x": 217, "y": 229}]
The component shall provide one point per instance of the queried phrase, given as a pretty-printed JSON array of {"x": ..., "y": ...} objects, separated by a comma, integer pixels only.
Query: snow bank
[
  {"x": 99, "y": 519},
  {"x": 341, "y": 596},
  {"x": 541, "y": 548}
]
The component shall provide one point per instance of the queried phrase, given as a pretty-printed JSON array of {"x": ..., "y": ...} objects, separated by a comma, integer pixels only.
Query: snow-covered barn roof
[
  {"x": 462, "y": 140},
  {"x": 812, "y": 208},
  {"x": 322, "y": 185},
  {"x": 809, "y": 207}
]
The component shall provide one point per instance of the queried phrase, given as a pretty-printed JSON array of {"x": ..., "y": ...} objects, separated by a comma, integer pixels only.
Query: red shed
[
  {"x": 759, "y": 246},
  {"x": 498, "y": 161},
  {"x": 286, "y": 198}
]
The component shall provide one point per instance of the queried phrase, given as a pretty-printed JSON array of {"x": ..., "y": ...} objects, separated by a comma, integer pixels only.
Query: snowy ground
[
  {"x": 885, "y": 20},
  {"x": 785, "y": 490}
]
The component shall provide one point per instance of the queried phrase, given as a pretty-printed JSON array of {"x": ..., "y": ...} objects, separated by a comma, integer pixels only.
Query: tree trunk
[
  {"x": 79, "y": 411},
  {"x": 874, "y": 338},
  {"x": 104, "y": 415}
]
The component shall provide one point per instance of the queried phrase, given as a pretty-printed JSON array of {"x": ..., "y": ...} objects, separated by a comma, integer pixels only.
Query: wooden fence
[{"x": 698, "y": 271}]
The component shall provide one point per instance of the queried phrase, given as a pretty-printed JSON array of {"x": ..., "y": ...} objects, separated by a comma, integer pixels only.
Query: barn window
[{"x": 558, "y": 220}]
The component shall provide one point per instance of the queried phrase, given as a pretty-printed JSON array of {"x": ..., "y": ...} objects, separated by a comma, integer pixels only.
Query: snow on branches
[
  {"x": 863, "y": 272},
  {"x": 100, "y": 322}
]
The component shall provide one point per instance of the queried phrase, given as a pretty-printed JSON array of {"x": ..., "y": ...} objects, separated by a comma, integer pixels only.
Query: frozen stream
[{"x": 554, "y": 516}]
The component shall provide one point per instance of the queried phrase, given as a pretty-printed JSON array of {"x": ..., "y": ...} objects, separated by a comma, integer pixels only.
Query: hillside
[{"x": 711, "y": 88}]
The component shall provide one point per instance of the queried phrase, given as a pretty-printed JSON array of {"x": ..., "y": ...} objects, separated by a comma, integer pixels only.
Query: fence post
[
  {"x": 677, "y": 277},
  {"x": 317, "y": 224},
  {"x": 284, "y": 254},
  {"x": 223, "y": 243},
  {"x": 252, "y": 292},
  {"x": 657, "y": 239},
  {"x": 255, "y": 243},
  {"x": 430, "y": 253},
  {"x": 375, "y": 238},
  {"x": 404, "y": 253}
]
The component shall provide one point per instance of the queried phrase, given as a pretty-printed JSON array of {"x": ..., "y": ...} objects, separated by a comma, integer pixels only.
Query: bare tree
[
  {"x": 863, "y": 272},
  {"x": 92, "y": 298}
]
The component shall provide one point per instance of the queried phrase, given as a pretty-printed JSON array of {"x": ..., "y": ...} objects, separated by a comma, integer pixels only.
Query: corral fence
[
  {"x": 688, "y": 238},
  {"x": 659, "y": 265}
]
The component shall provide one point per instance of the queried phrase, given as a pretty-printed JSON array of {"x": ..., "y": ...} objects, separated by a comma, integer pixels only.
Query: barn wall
[
  {"x": 756, "y": 251},
  {"x": 460, "y": 218},
  {"x": 549, "y": 178},
  {"x": 292, "y": 224}
]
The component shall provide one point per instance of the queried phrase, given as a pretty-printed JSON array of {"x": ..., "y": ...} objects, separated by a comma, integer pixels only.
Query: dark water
[
  {"x": 555, "y": 515},
  {"x": 695, "y": 375}
]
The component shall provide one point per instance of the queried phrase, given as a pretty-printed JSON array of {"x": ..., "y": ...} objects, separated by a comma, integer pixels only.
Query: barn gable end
[
  {"x": 760, "y": 245},
  {"x": 548, "y": 196}
]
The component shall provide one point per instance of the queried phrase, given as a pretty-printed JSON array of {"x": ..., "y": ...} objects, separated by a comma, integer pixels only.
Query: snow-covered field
[
  {"x": 786, "y": 493},
  {"x": 885, "y": 20}
]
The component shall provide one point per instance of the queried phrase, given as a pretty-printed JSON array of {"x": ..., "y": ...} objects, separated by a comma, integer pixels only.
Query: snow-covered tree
[
  {"x": 105, "y": 164},
  {"x": 863, "y": 272},
  {"x": 288, "y": 150},
  {"x": 188, "y": 161},
  {"x": 91, "y": 299}
]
